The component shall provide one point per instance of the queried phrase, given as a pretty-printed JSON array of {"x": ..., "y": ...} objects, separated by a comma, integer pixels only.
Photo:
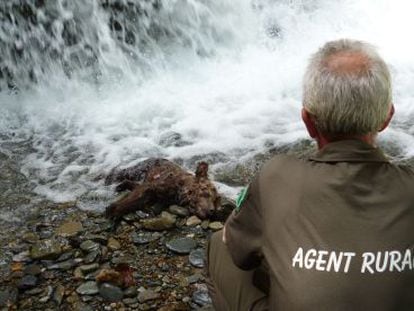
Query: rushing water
[{"x": 87, "y": 85}]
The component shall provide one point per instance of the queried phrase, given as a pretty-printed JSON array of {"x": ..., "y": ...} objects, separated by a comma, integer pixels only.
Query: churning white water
[{"x": 223, "y": 75}]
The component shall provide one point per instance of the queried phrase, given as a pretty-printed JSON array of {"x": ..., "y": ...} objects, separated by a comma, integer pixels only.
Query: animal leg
[
  {"x": 141, "y": 197},
  {"x": 126, "y": 185}
]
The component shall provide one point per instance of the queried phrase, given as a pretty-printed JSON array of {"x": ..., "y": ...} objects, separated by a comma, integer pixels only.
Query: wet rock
[
  {"x": 30, "y": 237},
  {"x": 204, "y": 224},
  {"x": 89, "y": 268},
  {"x": 170, "y": 138},
  {"x": 100, "y": 238},
  {"x": 64, "y": 265},
  {"x": 88, "y": 288},
  {"x": 215, "y": 225},
  {"x": 113, "y": 244},
  {"x": 34, "y": 292},
  {"x": 130, "y": 301},
  {"x": 32, "y": 270},
  {"x": 147, "y": 295},
  {"x": 77, "y": 274},
  {"x": 181, "y": 245},
  {"x": 28, "y": 281},
  {"x": 197, "y": 257},
  {"x": 65, "y": 256},
  {"x": 89, "y": 246},
  {"x": 91, "y": 257},
  {"x": 58, "y": 294},
  {"x": 8, "y": 296},
  {"x": 194, "y": 278},
  {"x": 45, "y": 249},
  {"x": 145, "y": 237},
  {"x": 164, "y": 222},
  {"x": 22, "y": 257},
  {"x": 48, "y": 295},
  {"x": 178, "y": 210},
  {"x": 110, "y": 292},
  {"x": 201, "y": 297},
  {"x": 70, "y": 228},
  {"x": 131, "y": 292},
  {"x": 193, "y": 221}
]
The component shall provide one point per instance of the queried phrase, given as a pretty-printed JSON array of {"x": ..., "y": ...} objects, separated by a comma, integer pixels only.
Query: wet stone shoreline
[{"x": 63, "y": 258}]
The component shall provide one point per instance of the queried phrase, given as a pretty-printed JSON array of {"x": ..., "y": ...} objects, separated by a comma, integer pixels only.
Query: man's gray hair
[{"x": 350, "y": 102}]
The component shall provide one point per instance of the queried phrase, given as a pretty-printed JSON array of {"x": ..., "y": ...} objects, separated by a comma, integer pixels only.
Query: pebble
[
  {"x": 30, "y": 237},
  {"x": 113, "y": 244},
  {"x": 48, "y": 295},
  {"x": 89, "y": 246},
  {"x": 58, "y": 294},
  {"x": 32, "y": 270},
  {"x": 201, "y": 297},
  {"x": 215, "y": 225},
  {"x": 45, "y": 249},
  {"x": 130, "y": 301},
  {"x": 65, "y": 256},
  {"x": 70, "y": 228},
  {"x": 147, "y": 295},
  {"x": 181, "y": 245},
  {"x": 164, "y": 222},
  {"x": 22, "y": 257},
  {"x": 193, "y": 221},
  {"x": 178, "y": 210},
  {"x": 131, "y": 292},
  {"x": 89, "y": 268},
  {"x": 34, "y": 291},
  {"x": 145, "y": 237},
  {"x": 88, "y": 288},
  {"x": 64, "y": 265},
  {"x": 204, "y": 224},
  {"x": 91, "y": 257},
  {"x": 110, "y": 292},
  {"x": 8, "y": 295},
  {"x": 197, "y": 257},
  {"x": 194, "y": 278},
  {"x": 100, "y": 238},
  {"x": 26, "y": 282}
]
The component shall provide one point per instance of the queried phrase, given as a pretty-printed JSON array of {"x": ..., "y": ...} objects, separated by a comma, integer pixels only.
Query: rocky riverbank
[{"x": 62, "y": 258}]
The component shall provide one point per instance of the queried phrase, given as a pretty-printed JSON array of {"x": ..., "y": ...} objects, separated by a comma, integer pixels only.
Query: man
[{"x": 335, "y": 232}]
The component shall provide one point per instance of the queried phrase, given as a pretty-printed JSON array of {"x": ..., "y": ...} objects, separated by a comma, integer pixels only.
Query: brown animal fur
[{"x": 166, "y": 183}]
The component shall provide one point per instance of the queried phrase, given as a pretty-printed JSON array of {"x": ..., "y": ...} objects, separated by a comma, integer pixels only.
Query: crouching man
[{"x": 336, "y": 231}]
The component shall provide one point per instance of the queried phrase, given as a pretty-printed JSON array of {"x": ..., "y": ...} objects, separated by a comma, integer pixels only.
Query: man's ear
[
  {"x": 309, "y": 121},
  {"x": 202, "y": 170},
  {"x": 388, "y": 120}
]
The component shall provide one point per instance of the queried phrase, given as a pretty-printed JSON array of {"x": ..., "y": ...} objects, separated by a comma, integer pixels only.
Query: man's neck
[{"x": 323, "y": 140}]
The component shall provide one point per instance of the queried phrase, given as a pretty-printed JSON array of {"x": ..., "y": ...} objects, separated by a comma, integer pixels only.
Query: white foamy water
[{"x": 242, "y": 93}]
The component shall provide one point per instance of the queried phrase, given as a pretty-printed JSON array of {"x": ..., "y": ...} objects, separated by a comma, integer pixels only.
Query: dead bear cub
[{"x": 162, "y": 181}]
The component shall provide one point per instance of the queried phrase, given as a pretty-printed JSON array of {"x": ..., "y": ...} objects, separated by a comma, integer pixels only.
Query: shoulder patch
[{"x": 241, "y": 198}]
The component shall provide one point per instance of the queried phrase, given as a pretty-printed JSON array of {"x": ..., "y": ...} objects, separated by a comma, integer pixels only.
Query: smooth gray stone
[
  {"x": 145, "y": 238},
  {"x": 26, "y": 282},
  {"x": 197, "y": 258},
  {"x": 88, "y": 288},
  {"x": 45, "y": 249},
  {"x": 201, "y": 297},
  {"x": 110, "y": 292},
  {"x": 89, "y": 246},
  {"x": 181, "y": 245}
]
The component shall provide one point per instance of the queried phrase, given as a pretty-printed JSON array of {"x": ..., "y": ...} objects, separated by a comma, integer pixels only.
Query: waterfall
[{"x": 87, "y": 85}]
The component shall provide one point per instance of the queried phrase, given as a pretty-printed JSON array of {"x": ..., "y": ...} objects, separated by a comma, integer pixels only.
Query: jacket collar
[{"x": 349, "y": 151}]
